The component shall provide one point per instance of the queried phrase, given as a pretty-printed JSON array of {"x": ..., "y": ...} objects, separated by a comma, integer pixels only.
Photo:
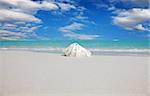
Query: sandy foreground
[{"x": 45, "y": 74}]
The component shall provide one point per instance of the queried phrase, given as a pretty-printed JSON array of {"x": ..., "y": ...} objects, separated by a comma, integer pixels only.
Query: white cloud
[
  {"x": 72, "y": 27},
  {"x": 23, "y": 10},
  {"x": 4, "y": 33},
  {"x": 132, "y": 19},
  {"x": 112, "y": 8},
  {"x": 86, "y": 37},
  {"x": 28, "y": 5},
  {"x": 49, "y": 6},
  {"x": 16, "y": 16},
  {"x": 81, "y": 36},
  {"x": 81, "y": 17},
  {"x": 69, "y": 31},
  {"x": 140, "y": 27},
  {"x": 9, "y": 35},
  {"x": 32, "y": 29},
  {"x": 19, "y": 27},
  {"x": 13, "y": 16},
  {"x": 7, "y": 3},
  {"x": 27, "y": 29},
  {"x": 66, "y": 7},
  {"x": 8, "y": 26}
]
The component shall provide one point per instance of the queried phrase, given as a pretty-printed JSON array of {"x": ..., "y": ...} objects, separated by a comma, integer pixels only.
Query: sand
[{"x": 44, "y": 74}]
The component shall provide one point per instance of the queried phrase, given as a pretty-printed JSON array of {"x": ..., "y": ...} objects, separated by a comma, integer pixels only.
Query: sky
[{"x": 74, "y": 19}]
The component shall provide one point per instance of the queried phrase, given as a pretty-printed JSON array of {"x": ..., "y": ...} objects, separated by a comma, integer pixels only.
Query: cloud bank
[
  {"x": 21, "y": 13},
  {"x": 133, "y": 19}
]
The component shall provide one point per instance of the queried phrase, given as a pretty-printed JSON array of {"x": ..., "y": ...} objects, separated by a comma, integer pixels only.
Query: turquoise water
[
  {"x": 97, "y": 47},
  {"x": 86, "y": 43}
]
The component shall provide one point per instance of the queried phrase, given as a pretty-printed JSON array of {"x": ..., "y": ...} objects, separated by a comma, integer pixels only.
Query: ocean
[{"x": 98, "y": 47}]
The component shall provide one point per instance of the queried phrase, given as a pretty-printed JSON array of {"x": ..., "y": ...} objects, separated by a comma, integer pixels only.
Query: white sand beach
[{"x": 25, "y": 73}]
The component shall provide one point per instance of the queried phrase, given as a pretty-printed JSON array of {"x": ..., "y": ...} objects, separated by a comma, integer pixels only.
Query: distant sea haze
[{"x": 97, "y": 46}]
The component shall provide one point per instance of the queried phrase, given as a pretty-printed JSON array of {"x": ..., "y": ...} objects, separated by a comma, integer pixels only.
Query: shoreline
[{"x": 95, "y": 51}]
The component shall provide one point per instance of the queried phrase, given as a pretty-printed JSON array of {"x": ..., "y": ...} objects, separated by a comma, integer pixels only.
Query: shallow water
[{"x": 98, "y": 47}]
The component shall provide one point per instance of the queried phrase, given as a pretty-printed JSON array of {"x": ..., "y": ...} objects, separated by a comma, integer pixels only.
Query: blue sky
[{"x": 74, "y": 19}]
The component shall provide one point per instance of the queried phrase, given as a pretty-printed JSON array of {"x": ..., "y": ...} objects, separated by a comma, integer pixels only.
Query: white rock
[{"x": 75, "y": 50}]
